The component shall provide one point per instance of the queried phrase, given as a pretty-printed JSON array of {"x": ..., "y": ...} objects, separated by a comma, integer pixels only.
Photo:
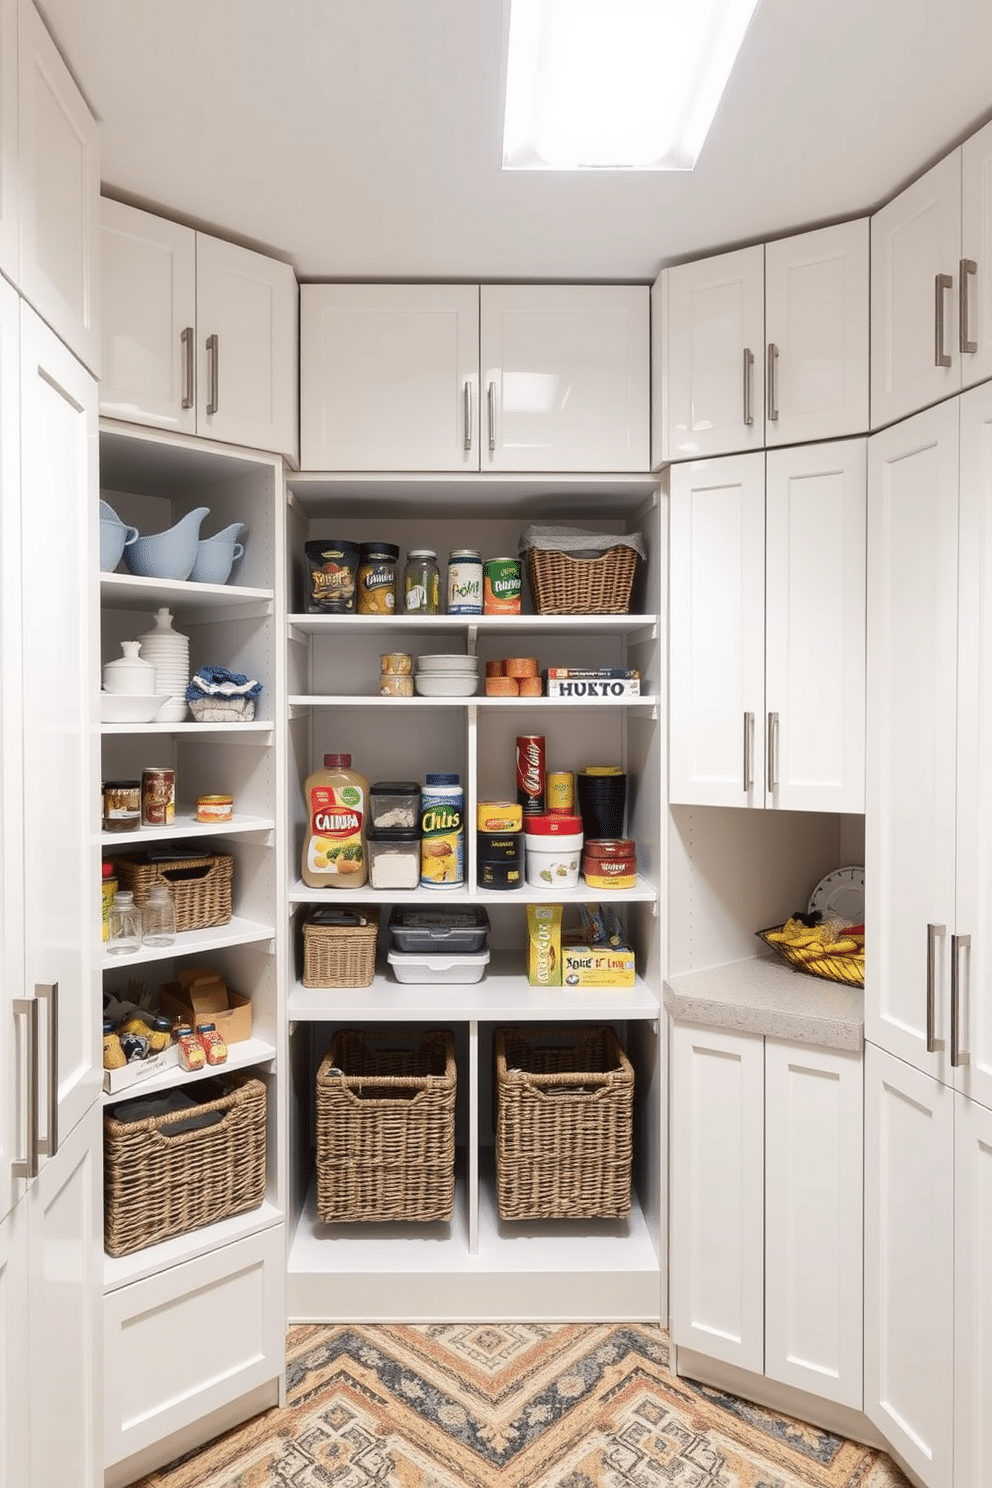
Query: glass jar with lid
[{"x": 422, "y": 583}]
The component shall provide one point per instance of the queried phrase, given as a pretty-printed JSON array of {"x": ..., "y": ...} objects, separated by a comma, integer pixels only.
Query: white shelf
[
  {"x": 184, "y": 826},
  {"x": 124, "y": 591},
  {"x": 120, "y": 1271},
  {"x": 259, "y": 731},
  {"x": 308, "y": 700},
  {"x": 644, "y": 892},
  {"x": 239, "y": 1056},
  {"x": 485, "y": 495},
  {"x": 343, "y": 625},
  {"x": 194, "y": 943}
]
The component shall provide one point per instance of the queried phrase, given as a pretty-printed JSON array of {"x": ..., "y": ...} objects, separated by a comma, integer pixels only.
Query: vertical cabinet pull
[
  {"x": 770, "y": 379},
  {"x": 966, "y": 268},
  {"x": 772, "y": 752},
  {"x": 748, "y": 750},
  {"x": 941, "y": 282},
  {"x": 492, "y": 415},
  {"x": 748, "y": 386},
  {"x": 27, "y": 1167},
  {"x": 213, "y": 373},
  {"x": 186, "y": 340},
  {"x": 467, "y": 414},
  {"x": 934, "y": 1044},
  {"x": 959, "y": 943},
  {"x": 48, "y": 992}
]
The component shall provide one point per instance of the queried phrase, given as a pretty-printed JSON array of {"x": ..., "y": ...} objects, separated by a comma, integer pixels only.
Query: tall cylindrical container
[
  {"x": 442, "y": 832},
  {"x": 531, "y": 777},
  {"x": 334, "y": 854},
  {"x": 465, "y": 581}
]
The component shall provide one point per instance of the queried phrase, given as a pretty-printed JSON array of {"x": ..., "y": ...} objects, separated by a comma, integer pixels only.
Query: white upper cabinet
[
  {"x": 59, "y": 193},
  {"x": 13, "y": 1077},
  {"x": 9, "y": 252},
  {"x": 199, "y": 335},
  {"x": 763, "y": 346},
  {"x": 391, "y": 377},
  {"x": 931, "y": 307},
  {"x": 768, "y": 576}
]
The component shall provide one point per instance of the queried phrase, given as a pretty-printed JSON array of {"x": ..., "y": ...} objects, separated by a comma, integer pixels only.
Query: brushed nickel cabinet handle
[
  {"x": 934, "y": 1044},
  {"x": 748, "y": 750},
  {"x": 49, "y": 992},
  {"x": 748, "y": 386},
  {"x": 467, "y": 396},
  {"x": 941, "y": 282},
  {"x": 27, "y": 1167},
  {"x": 770, "y": 379},
  {"x": 967, "y": 268},
  {"x": 959, "y": 943},
  {"x": 772, "y": 751},
  {"x": 189, "y": 392},
  {"x": 213, "y": 374},
  {"x": 492, "y": 416}
]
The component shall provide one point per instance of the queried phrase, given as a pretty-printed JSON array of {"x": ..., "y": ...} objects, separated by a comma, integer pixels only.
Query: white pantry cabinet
[
  {"x": 931, "y": 306},
  {"x": 763, "y": 346},
  {"x": 929, "y": 719},
  {"x": 421, "y": 377},
  {"x": 767, "y": 579},
  {"x": 766, "y": 1207},
  {"x": 9, "y": 248},
  {"x": 199, "y": 335}
]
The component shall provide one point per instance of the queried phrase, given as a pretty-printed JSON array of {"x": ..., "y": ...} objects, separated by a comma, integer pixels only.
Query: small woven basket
[
  {"x": 340, "y": 955},
  {"x": 564, "y": 1118},
  {"x": 386, "y": 1127},
  {"x": 160, "y": 1182},
  {"x": 201, "y": 887},
  {"x": 563, "y": 585},
  {"x": 847, "y": 967}
]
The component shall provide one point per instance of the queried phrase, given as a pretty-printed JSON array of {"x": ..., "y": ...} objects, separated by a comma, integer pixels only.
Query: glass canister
[
  {"x": 158, "y": 917},
  {"x": 422, "y": 583},
  {"x": 124, "y": 926},
  {"x": 121, "y": 805},
  {"x": 376, "y": 590}
]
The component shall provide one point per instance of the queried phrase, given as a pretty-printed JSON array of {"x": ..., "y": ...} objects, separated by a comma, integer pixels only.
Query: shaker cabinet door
[
  {"x": 9, "y": 185},
  {"x": 975, "y": 269}
]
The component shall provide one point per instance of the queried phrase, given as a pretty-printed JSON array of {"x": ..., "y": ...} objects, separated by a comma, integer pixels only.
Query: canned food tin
[
  {"x": 531, "y": 773},
  {"x": 214, "y": 808},
  {"x": 442, "y": 828},
  {"x": 158, "y": 796},
  {"x": 464, "y": 582},
  {"x": 391, "y": 684},
  {"x": 560, "y": 787},
  {"x": 396, "y": 663},
  {"x": 501, "y": 586}
]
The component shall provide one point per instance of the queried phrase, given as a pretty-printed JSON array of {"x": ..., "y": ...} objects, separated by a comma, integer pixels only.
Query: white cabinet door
[
  {"x": 909, "y": 1261},
  {"x": 814, "y": 721},
  {"x": 972, "y": 1293},
  {"x": 389, "y": 377},
  {"x": 712, "y": 356},
  {"x": 65, "y": 1273},
  {"x": 717, "y": 1194},
  {"x": 813, "y": 1220},
  {"x": 816, "y": 334},
  {"x": 717, "y": 623},
  {"x": 975, "y": 268},
  {"x": 14, "y": 1399},
  {"x": 247, "y": 315},
  {"x": 148, "y": 314},
  {"x": 970, "y": 1037},
  {"x": 910, "y": 789},
  {"x": 9, "y": 187},
  {"x": 59, "y": 559},
  {"x": 565, "y": 377},
  {"x": 13, "y": 1093},
  {"x": 915, "y": 249},
  {"x": 59, "y": 206}
]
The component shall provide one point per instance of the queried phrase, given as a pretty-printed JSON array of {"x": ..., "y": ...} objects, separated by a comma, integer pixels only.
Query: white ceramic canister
[
  {"x": 552, "y": 861},
  {"x": 168, "y": 652},
  {"x": 130, "y": 673}
]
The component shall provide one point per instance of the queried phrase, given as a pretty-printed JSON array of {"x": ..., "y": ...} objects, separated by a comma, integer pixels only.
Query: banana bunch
[{"x": 805, "y": 941}]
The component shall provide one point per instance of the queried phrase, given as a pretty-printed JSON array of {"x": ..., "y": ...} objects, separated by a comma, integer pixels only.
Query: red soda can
[{"x": 531, "y": 774}]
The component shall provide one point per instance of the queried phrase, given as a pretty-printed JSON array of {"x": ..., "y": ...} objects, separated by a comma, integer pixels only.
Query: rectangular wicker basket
[
  {"x": 386, "y": 1127},
  {"x": 563, "y": 585},
  {"x": 339, "y": 955},
  {"x": 161, "y": 1180},
  {"x": 201, "y": 887},
  {"x": 564, "y": 1118}
]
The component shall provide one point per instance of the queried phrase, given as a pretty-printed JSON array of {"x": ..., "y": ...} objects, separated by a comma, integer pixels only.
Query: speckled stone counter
[{"x": 763, "y": 996}]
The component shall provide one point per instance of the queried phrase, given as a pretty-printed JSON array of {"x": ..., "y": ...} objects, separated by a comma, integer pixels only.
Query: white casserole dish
[{"x": 463, "y": 967}]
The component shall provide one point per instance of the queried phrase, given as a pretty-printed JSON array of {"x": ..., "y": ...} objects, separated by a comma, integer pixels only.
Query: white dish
[
  {"x": 446, "y": 684},
  {"x": 463, "y": 967},
  {"x": 447, "y": 664},
  {"x": 841, "y": 893},
  {"x": 130, "y": 707}
]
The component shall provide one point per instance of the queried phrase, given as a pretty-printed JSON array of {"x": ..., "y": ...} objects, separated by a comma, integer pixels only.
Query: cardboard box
[
  {"x": 115, "y": 1080},
  {"x": 597, "y": 966},
  {"x": 544, "y": 945},
  {"x": 206, "y": 999}
]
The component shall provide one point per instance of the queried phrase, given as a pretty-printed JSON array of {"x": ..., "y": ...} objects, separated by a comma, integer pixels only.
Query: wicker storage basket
[
  {"x": 201, "y": 887},
  {"x": 339, "y": 955},
  {"x": 386, "y": 1126},
  {"x": 847, "y": 967},
  {"x": 564, "y": 1113},
  {"x": 563, "y": 585},
  {"x": 159, "y": 1181}
]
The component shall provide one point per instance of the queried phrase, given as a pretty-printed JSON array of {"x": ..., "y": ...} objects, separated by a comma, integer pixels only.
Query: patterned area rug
[{"x": 515, "y": 1405}]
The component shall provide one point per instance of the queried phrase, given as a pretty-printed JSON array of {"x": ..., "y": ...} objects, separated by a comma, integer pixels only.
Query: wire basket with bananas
[{"x": 820, "y": 945}]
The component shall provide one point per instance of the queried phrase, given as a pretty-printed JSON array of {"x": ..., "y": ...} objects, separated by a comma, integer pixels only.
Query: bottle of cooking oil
[{"x": 334, "y": 854}]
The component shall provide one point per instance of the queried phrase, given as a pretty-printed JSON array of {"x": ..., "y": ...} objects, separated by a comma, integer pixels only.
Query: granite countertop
[{"x": 762, "y": 995}]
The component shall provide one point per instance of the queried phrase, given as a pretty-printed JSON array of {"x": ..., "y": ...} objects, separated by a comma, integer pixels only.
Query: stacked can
[{"x": 499, "y": 845}]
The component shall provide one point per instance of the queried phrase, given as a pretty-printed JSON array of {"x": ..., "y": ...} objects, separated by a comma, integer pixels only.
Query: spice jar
[
  {"x": 191, "y": 1053},
  {"x": 121, "y": 805},
  {"x": 377, "y": 578},
  {"x": 422, "y": 583},
  {"x": 214, "y": 1046}
]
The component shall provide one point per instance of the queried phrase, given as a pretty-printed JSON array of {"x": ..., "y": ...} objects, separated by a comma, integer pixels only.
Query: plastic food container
[
  {"x": 442, "y": 931},
  {"x": 394, "y": 858},
  {"x": 552, "y": 861},
  {"x": 429, "y": 966},
  {"x": 394, "y": 805}
]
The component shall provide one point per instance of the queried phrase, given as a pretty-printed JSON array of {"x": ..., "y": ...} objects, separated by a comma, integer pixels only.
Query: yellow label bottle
[{"x": 334, "y": 852}]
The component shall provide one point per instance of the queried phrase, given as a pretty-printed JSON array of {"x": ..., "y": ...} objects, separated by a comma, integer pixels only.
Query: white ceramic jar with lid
[{"x": 130, "y": 673}]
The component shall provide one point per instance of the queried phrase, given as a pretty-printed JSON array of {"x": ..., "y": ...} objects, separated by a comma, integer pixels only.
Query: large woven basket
[
  {"x": 386, "y": 1127},
  {"x": 160, "y": 1181},
  {"x": 563, "y": 585},
  {"x": 340, "y": 955},
  {"x": 564, "y": 1116},
  {"x": 201, "y": 887}
]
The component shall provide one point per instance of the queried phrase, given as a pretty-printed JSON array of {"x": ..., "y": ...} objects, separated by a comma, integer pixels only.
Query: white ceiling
[{"x": 360, "y": 139}]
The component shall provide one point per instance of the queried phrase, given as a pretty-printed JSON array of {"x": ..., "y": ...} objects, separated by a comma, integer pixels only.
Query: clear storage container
[{"x": 442, "y": 931}]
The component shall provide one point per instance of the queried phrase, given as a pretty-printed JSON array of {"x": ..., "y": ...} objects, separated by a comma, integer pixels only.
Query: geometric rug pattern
[{"x": 497, "y": 1405}]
